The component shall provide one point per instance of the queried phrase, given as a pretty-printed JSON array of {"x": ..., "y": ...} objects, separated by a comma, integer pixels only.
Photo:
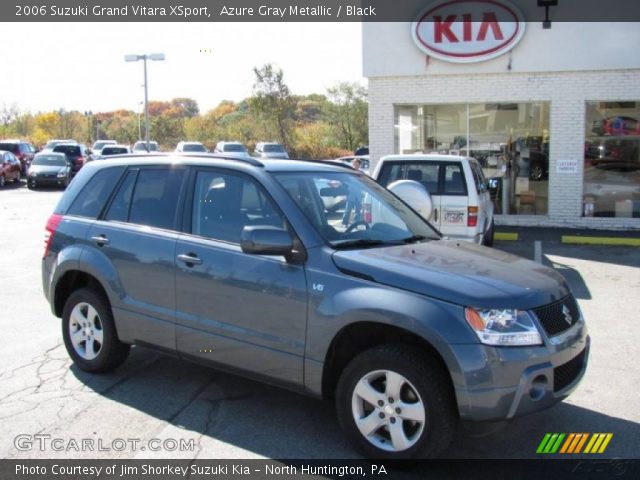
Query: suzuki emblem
[{"x": 567, "y": 314}]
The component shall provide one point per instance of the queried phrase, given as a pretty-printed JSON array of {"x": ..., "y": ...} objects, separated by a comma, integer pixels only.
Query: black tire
[
  {"x": 487, "y": 240},
  {"x": 2, "y": 181},
  {"x": 434, "y": 392},
  {"x": 30, "y": 185},
  {"x": 111, "y": 352}
]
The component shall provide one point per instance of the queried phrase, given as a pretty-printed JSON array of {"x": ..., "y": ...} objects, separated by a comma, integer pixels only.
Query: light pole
[
  {"x": 88, "y": 115},
  {"x": 144, "y": 58}
]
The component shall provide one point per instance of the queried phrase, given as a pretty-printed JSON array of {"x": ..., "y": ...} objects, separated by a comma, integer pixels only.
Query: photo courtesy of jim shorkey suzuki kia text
[
  {"x": 265, "y": 12},
  {"x": 185, "y": 471}
]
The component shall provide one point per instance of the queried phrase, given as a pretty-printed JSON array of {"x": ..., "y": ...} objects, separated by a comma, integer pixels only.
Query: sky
[{"x": 49, "y": 66}]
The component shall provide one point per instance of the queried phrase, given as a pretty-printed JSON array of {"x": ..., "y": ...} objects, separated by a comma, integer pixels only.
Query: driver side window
[{"x": 223, "y": 204}]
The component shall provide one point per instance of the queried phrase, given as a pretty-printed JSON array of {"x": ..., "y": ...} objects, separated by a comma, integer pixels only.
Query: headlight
[
  {"x": 62, "y": 174},
  {"x": 503, "y": 328}
]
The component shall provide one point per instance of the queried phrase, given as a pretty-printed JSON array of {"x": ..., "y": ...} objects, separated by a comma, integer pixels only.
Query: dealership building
[{"x": 552, "y": 112}]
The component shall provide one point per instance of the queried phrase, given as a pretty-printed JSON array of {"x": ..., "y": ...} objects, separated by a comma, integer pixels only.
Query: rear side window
[
  {"x": 121, "y": 204},
  {"x": 454, "y": 183},
  {"x": 93, "y": 197},
  {"x": 155, "y": 198}
]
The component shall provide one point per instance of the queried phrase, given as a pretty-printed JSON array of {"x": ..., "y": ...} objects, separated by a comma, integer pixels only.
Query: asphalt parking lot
[{"x": 223, "y": 416}]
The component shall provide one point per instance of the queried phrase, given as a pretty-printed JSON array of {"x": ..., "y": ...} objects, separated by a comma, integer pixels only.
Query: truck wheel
[
  {"x": 393, "y": 403},
  {"x": 90, "y": 334},
  {"x": 487, "y": 241},
  {"x": 2, "y": 181}
]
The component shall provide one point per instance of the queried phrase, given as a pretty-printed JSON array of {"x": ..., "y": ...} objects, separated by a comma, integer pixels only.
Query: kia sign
[{"x": 467, "y": 31}]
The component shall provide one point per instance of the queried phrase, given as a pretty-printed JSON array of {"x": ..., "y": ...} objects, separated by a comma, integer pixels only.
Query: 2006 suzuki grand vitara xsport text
[{"x": 271, "y": 269}]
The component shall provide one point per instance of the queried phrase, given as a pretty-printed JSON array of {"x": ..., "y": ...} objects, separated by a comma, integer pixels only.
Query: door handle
[
  {"x": 100, "y": 240},
  {"x": 189, "y": 259}
]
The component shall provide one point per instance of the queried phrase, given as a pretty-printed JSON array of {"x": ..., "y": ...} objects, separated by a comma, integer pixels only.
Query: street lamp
[
  {"x": 88, "y": 115},
  {"x": 144, "y": 58}
]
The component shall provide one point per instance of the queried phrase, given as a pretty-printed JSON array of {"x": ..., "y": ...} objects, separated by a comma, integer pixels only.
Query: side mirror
[
  {"x": 266, "y": 240},
  {"x": 415, "y": 195}
]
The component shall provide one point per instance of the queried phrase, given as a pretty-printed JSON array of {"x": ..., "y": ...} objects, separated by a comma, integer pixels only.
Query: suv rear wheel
[
  {"x": 393, "y": 403},
  {"x": 487, "y": 240},
  {"x": 89, "y": 332}
]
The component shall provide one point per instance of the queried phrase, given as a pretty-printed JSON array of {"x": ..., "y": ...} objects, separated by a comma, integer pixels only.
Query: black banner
[
  {"x": 298, "y": 10},
  {"x": 542, "y": 469}
]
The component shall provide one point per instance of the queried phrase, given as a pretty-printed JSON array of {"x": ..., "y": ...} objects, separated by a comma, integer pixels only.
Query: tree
[
  {"x": 273, "y": 103},
  {"x": 348, "y": 112}
]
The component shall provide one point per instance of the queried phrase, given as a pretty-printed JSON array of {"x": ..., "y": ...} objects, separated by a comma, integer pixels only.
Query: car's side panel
[{"x": 137, "y": 265}]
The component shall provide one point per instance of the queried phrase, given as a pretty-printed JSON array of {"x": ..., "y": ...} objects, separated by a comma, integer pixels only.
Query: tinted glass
[
  {"x": 224, "y": 204},
  {"x": 454, "y": 182},
  {"x": 114, "y": 150},
  {"x": 55, "y": 160},
  {"x": 234, "y": 147},
  {"x": 273, "y": 148},
  {"x": 350, "y": 210},
  {"x": 426, "y": 173},
  {"x": 73, "y": 150},
  {"x": 94, "y": 195},
  {"x": 121, "y": 204},
  {"x": 190, "y": 147},
  {"x": 155, "y": 198},
  {"x": 9, "y": 147}
]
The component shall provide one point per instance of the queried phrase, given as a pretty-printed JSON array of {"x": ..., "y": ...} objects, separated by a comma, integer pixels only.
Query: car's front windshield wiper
[
  {"x": 415, "y": 239},
  {"x": 364, "y": 242}
]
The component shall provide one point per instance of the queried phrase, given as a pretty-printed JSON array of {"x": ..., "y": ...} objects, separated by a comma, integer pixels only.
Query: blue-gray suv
[{"x": 313, "y": 277}]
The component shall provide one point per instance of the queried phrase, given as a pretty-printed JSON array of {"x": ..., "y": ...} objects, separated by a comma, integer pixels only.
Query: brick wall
[{"x": 567, "y": 93}]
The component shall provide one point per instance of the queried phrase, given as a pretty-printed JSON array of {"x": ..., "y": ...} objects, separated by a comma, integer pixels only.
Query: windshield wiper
[
  {"x": 415, "y": 239},
  {"x": 364, "y": 242}
]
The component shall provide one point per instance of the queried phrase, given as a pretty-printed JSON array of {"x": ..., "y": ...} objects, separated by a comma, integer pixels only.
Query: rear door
[
  {"x": 427, "y": 173},
  {"x": 454, "y": 199},
  {"x": 136, "y": 239}
]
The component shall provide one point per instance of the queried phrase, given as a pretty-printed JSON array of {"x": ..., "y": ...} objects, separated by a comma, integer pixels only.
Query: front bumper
[{"x": 503, "y": 383}]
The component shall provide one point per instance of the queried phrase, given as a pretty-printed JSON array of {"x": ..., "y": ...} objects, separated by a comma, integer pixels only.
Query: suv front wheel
[
  {"x": 90, "y": 334},
  {"x": 394, "y": 403}
]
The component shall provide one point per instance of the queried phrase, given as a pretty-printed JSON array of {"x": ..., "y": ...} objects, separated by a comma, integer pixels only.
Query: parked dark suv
[
  {"x": 24, "y": 151},
  {"x": 236, "y": 263},
  {"x": 76, "y": 154}
]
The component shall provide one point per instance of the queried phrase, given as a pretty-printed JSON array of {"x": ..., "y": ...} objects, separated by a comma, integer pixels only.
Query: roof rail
[
  {"x": 240, "y": 158},
  {"x": 331, "y": 162}
]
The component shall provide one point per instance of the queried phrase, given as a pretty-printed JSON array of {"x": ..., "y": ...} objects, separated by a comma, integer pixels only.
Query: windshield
[
  {"x": 142, "y": 146},
  {"x": 234, "y": 147},
  {"x": 273, "y": 148},
  {"x": 193, "y": 147},
  {"x": 53, "y": 160},
  {"x": 100, "y": 145},
  {"x": 350, "y": 210}
]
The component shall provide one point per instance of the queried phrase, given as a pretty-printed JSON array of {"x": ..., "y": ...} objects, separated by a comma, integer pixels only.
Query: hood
[
  {"x": 458, "y": 272},
  {"x": 46, "y": 168}
]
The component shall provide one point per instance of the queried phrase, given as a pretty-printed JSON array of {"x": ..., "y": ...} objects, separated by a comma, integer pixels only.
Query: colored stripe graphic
[
  {"x": 556, "y": 443},
  {"x": 550, "y": 443}
]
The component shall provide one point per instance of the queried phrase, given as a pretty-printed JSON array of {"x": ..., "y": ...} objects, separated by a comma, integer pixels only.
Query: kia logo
[{"x": 466, "y": 31}]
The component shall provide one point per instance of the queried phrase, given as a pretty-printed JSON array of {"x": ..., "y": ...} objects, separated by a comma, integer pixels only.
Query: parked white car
[{"x": 461, "y": 204}]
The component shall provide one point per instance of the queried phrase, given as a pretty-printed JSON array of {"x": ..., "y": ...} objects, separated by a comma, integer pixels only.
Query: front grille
[
  {"x": 559, "y": 316},
  {"x": 566, "y": 373}
]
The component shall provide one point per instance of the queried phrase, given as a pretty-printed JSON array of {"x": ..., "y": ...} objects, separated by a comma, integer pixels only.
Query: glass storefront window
[
  {"x": 612, "y": 160},
  {"x": 510, "y": 140}
]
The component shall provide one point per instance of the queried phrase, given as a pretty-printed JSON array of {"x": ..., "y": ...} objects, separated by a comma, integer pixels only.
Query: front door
[{"x": 245, "y": 311}]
